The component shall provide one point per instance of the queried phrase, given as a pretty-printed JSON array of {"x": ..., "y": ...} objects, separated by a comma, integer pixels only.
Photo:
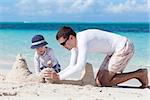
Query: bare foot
[
  {"x": 143, "y": 78},
  {"x": 97, "y": 82}
]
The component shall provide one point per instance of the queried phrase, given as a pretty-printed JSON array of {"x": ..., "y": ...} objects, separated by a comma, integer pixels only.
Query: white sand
[
  {"x": 42, "y": 91},
  {"x": 16, "y": 89}
]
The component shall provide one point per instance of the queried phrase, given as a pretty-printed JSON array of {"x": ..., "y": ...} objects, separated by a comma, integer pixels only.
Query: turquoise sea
[{"x": 16, "y": 38}]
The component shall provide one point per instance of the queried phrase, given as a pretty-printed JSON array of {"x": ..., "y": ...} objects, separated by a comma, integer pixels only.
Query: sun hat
[{"x": 38, "y": 41}]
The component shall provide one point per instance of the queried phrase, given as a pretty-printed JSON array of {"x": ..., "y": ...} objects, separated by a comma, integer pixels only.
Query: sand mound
[{"x": 20, "y": 72}]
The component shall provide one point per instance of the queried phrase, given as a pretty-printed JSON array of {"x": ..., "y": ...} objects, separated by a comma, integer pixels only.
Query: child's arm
[
  {"x": 52, "y": 57},
  {"x": 54, "y": 61},
  {"x": 36, "y": 64},
  {"x": 49, "y": 63}
]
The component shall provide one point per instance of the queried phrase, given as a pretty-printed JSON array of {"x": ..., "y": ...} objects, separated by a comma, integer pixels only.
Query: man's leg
[
  {"x": 107, "y": 78},
  {"x": 116, "y": 63}
]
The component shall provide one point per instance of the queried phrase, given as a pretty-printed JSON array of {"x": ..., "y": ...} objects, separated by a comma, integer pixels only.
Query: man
[{"x": 118, "y": 49}]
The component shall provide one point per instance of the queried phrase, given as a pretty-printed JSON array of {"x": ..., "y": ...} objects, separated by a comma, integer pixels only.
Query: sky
[{"x": 74, "y": 11}]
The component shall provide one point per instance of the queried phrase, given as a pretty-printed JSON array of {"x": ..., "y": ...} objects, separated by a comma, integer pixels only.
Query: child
[{"x": 44, "y": 56}]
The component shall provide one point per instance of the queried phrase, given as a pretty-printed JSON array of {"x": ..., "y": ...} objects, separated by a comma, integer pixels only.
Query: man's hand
[{"x": 52, "y": 75}]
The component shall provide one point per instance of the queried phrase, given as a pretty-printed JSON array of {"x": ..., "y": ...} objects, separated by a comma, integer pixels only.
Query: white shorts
[{"x": 119, "y": 59}]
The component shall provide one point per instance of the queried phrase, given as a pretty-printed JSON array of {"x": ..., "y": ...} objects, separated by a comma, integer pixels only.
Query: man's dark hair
[{"x": 65, "y": 32}]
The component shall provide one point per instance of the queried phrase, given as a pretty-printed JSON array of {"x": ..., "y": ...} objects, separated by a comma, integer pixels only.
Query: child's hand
[
  {"x": 48, "y": 73},
  {"x": 45, "y": 70},
  {"x": 49, "y": 63}
]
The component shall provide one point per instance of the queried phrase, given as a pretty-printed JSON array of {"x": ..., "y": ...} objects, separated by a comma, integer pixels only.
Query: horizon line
[{"x": 77, "y": 22}]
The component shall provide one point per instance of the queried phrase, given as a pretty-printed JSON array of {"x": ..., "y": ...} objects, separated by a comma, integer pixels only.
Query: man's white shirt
[{"x": 91, "y": 40}]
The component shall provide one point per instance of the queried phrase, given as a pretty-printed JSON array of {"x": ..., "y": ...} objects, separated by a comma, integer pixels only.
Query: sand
[
  {"x": 20, "y": 84},
  {"x": 40, "y": 91}
]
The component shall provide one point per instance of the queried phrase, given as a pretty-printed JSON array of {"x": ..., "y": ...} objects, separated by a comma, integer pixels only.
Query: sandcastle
[{"x": 20, "y": 73}]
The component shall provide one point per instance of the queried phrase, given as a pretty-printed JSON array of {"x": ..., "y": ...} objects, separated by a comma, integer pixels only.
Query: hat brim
[{"x": 39, "y": 45}]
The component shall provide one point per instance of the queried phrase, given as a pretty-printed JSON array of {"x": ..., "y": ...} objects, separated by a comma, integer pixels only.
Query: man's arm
[
  {"x": 74, "y": 54},
  {"x": 81, "y": 61},
  {"x": 73, "y": 60}
]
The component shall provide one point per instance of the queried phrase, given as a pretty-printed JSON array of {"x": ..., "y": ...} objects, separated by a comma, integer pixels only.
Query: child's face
[{"x": 41, "y": 50}]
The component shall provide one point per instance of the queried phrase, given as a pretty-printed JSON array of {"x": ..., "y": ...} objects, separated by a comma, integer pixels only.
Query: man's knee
[
  {"x": 101, "y": 82},
  {"x": 105, "y": 79},
  {"x": 106, "y": 83}
]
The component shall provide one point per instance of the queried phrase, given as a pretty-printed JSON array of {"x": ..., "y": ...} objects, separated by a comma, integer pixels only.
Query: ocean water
[{"x": 15, "y": 38}]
